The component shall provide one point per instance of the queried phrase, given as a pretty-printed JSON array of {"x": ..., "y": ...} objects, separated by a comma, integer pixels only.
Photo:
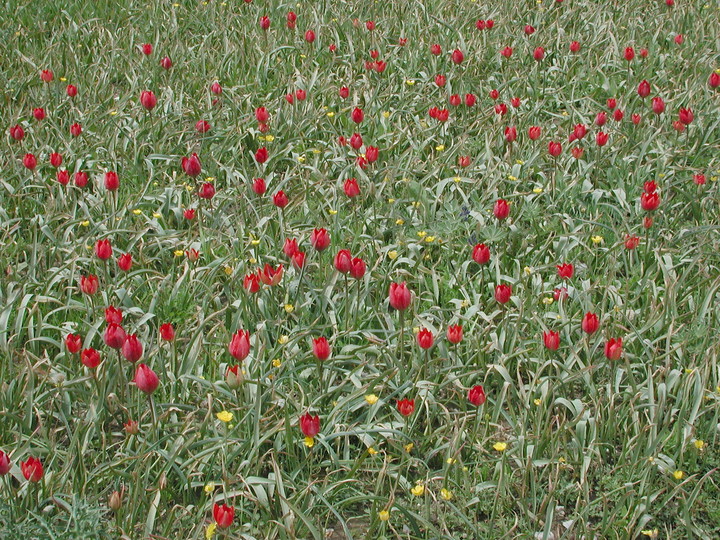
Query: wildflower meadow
[{"x": 416, "y": 269}]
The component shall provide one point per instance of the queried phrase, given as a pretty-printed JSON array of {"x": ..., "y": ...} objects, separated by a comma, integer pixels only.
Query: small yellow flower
[
  {"x": 465, "y": 304},
  {"x": 650, "y": 533},
  {"x": 699, "y": 444},
  {"x": 269, "y": 138},
  {"x": 429, "y": 239},
  {"x": 255, "y": 242},
  {"x": 564, "y": 113},
  {"x": 63, "y": 79},
  {"x": 527, "y": 270},
  {"x": 309, "y": 442},
  {"x": 178, "y": 253},
  {"x": 282, "y": 340},
  {"x": 137, "y": 211},
  {"x": 537, "y": 190},
  {"x": 225, "y": 416},
  {"x": 276, "y": 363},
  {"x": 500, "y": 446},
  {"x": 597, "y": 239},
  {"x": 210, "y": 531},
  {"x": 386, "y": 114},
  {"x": 330, "y": 114},
  {"x": 372, "y": 399},
  {"x": 113, "y": 113},
  {"x": 409, "y": 447},
  {"x": 399, "y": 222},
  {"x": 393, "y": 255},
  {"x": 228, "y": 270},
  {"x": 252, "y": 260},
  {"x": 210, "y": 179},
  {"x": 416, "y": 204},
  {"x": 678, "y": 475},
  {"x": 519, "y": 162},
  {"x": 457, "y": 179},
  {"x": 383, "y": 515},
  {"x": 332, "y": 212},
  {"x": 157, "y": 215},
  {"x": 209, "y": 488},
  {"x": 446, "y": 494},
  {"x": 651, "y": 459},
  {"x": 189, "y": 188},
  {"x": 301, "y": 159},
  {"x": 409, "y": 82},
  {"x": 85, "y": 223},
  {"x": 418, "y": 490},
  {"x": 451, "y": 461},
  {"x": 316, "y": 151},
  {"x": 689, "y": 371},
  {"x": 511, "y": 177},
  {"x": 289, "y": 308},
  {"x": 391, "y": 200},
  {"x": 440, "y": 147},
  {"x": 537, "y": 401},
  {"x": 548, "y": 300},
  {"x": 372, "y": 451}
]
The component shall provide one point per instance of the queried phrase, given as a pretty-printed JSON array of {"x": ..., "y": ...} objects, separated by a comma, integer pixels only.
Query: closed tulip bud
[
  {"x": 357, "y": 268},
  {"x": 264, "y": 22},
  {"x": 501, "y": 209},
  {"x": 132, "y": 349},
  {"x": 618, "y": 115},
  {"x": 216, "y": 89},
  {"x": 291, "y": 19},
  {"x": 534, "y": 133},
  {"x": 370, "y": 25},
  {"x": 191, "y": 165},
  {"x": 464, "y": 161},
  {"x": 590, "y": 323},
  {"x": 565, "y": 271},
  {"x": 17, "y": 132},
  {"x": 489, "y": 24},
  {"x": 39, "y": 113},
  {"x": 435, "y": 49},
  {"x": 406, "y": 406},
  {"x": 476, "y": 395},
  {"x": 481, "y": 254},
  {"x": 146, "y": 379},
  {"x": 189, "y": 214},
  {"x": 425, "y": 338},
  {"x": 73, "y": 343},
  {"x": 357, "y": 115},
  {"x": 454, "y": 334},
  {"x": 55, "y": 159},
  {"x": 63, "y": 177},
  {"x": 239, "y": 346},
  {"x": 309, "y": 36},
  {"x": 298, "y": 260},
  {"x": 202, "y": 126},
  {"x": 356, "y": 141},
  {"x": 309, "y": 425},
  {"x": 503, "y": 293},
  {"x": 400, "y": 296},
  {"x": 131, "y": 427},
  {"x": 506, "y": 52},
  {"x": 539, "y": 53},
  {"x": 631, "y": 242},
  {"x": 111, "y": 181},
  {"x": 103, "y": 249},
  {"x": 551, "y": 339},
  {"x": 501, "y": 109},
  {"x": 32, "y": 469},
  {"x": 529, "y": 30},
  {"x": 601, "y": 119},
  {"x": 251, "y": 283},
  {"x": 76, "y": 130},
  {"x": 234, "y": 377},
  {"x": 510, "y": 134},
  {"x": 290, "y": 247},
  {"x": 560, "y": 293},
  {"x": 113, "y": 315},
  {"x": 321, "y": 348},
  {"x": 206, "y": 191},
  {"x": 80, "y": 178},
  {"x": 643, "y": 89},
  {"x": 344, "y": 92},
  {"x": 89, "y": 284},
  {"x": 650, "y": 186},
  {"x": 699, "y": 179},
  {"x": 343, "y": 261},
  {"x": 440, "y": 80},
  {"x": 262, "y": 115},
  {"x": 470, "y": 100},
  {"x": 372, "y": 153},
  {"x": 115, "y": 501},
  {"x": 259, "y": 186},
  {"x": 643, "y": 53},
  {"x": 90, "y": 358},
  {"x": 320, "y": 239},
  {"x": 679, "y": 39},
  {"x": 494, "y": 94},
  {"x": 636, "y": 119},
  {"x": 611, "y": 103},
  {"x": 351, "y": 188},
  {"x": 554, "y": 148},
  {"x": 686, "y": 116},
  {"x": 71, "y": 90},
  {"x": 374, "y": 54},
  {"x": 647, "y": 222},
  {"x": 148, "y": 100},
  {"x": 280, "y": 199},
  {"x": 114, "y": 336},
  {"x": 575, "y": 46},
  {"x": 480, "y": 24},
  {"x": 580, "y": 131},
  {"x": 30, "y": 161},
  {"x": 714, "y": 80},
  {"x": 455, "y": 100},
  {"x": 629, "y": 53},
  {"x": 166, "y": 63},
  {"x": 46, "y": 75},
  {"x": 658, "y": 105},
  {"x": 261, "y": 156},
  {"x": 678, "y": 126},
  {"x": 577, "y": 152},
  {"x": 601, "y": 138},
  {"x": 613, "y": 349},
  {"x": 649, "y": 201},
  {"x": 4, "y": 463},
  {"x": 457, "y": 56},
  {"x": 443, "y": 115},
  {"x": 147, "y": 49},
  {"x": 124, "y": 262},
  {"x": 167, "y": 332}
]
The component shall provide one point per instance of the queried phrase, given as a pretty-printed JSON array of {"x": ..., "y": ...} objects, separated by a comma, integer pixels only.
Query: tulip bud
[{"x": 115, "y": 501}]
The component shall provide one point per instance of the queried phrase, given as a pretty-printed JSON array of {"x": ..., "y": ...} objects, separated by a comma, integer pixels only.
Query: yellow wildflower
[
  {"x": 409, "y": 447},
  {"x": 409, "y": 82},
  {"x": 537, "y": 401},
  {"x": 137, "y": 211},
  {"x": 372, "y": 399},
  {"x": 548, "y": 300},
  {"x": 678, "y": 475},
  {"x": 178, "y": 253},
  {"x": 418, "y": 490},
  {"x": 440, "y": 147},
  {"x": 699, "y": 444},
  {"x": 309, "y": 442},
  {"x": 289, "y": 308},
  {"x": 224, "y": 416},
  {"x": 500, "y": 446},
  {"x": 393, "y": 255},
  {"x": 330, "y": 114},
  {"x": 399, "y": 222},
  {"x": 372, "y": 451},
  {"x": 282, "y": 340},
  {"x": 276, "y": 362},
  {"x": 597, "y": 239},
  {"x": 210, "y": 531},
  {"x": 269, "y": 138},
  {"x": 386, "y": 114},
  {"x": 228, "y": 269},
  {"x": 537, "y": 190},
  {"x": 446, "y": 494},
  {"x": 383, "y": 515},
  {"x": 85, "y": 223},
  {"x": 209, "y": 488}
]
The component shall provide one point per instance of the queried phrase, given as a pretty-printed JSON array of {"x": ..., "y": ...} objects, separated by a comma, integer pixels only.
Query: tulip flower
[
  {"x": 686, "y": 116},
  {"x": 239, "y": 346},
  {"x": 17, "y": 132},
  {"x": 435, "y": 50},
  {"x": 649, "y": 201},
  {"x": 147, "y": 49},
  {"x": 146, "y": 379},
  {"x": 321, "y": 348},
  {"x": 89, "y": 284},
  {"x": 503, "y": 293},
  {"x": 425, "y": 338},
  {"x": 554, "y": 148},
  {"x": 320, "y": 239},
  {"x": 457, "y": 56},
  {"x": 399, "y": 296},
  {"x": 111, "y": 181},
  {"x": 309, "y": 36},
  {"x": 73, "y": 342},
  {"x": 343, "y": 261},
  {"x": 351, "y": 188},
  {"x": 32, "y": 469},
  {"x": 103, "y": 249},
  {"x": 30, "y": 162},
  {"x": 534, "y": 132},
  {"x": 191, "y": 165},
  {"x": 357, "y": 268},
  {"x": 590, "y": 323},
  {"x": 406, "y": 406},
  {"x": 148, "y": 100},
  {"x": 658, "y": 105},
  {"x": 613, "y": 349},
  {"x": 4, "y": 463},
  {"x": 71, "y": 90},
  {"x": 551, "y": 339},
  {"x": 476, "y": 395},
  {"x": 166, "y": 63},
  {"x": 481, "y": 254},
  {"x": 234, "y": 377},
  {"x": 454, "y": 334},
  {"x": 566, "y": 270},
  {"x": 90, "y": 358},
  {"x": 124, "y": 262},
  {"x": 264, "y": 22},
  {"x": 310, "y": 425},
  {"x": 643, "y": 89},
  {"x": 114, "y": 336},
  {"x": 113, "y": 315},
  {"x": 629, "y": 53},
  {"x": 270, "y": 276},
  {"x": 132, "y": 349},
  {"x": 501, "y": 209},
  {"x": 251, "y": 283}
]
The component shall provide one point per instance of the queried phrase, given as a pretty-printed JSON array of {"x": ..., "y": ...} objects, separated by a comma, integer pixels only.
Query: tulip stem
[
  {"x": 402, "y": 335},
  {"x": 154, "y": 415},
  {"x": 121, "y": 376}
]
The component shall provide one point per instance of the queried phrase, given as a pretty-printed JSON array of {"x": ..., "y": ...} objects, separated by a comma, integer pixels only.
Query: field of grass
[{"x": 167, "y": 277}]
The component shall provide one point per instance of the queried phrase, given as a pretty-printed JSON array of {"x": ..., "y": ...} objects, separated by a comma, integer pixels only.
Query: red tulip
[
  {"x": 46, "y": 75},
  {"x": 114, "y": 336},
  {"x": 192, "y": 254},
  {"x": 90, "y": 358},
  {"x": 55, "y": 159},
  {"x": 4, "y": 463},
  {"x": 476, "y": 395},
  {"x": 103, "y": 249},
  {"x": 435, "y": 49},
  {"x": 629, "y": 53},
  {"x": 631, "y": 242},
  {"x": 290, "y": 247},
  {"x": 425, "y": 338},
  {"x": 113, "y": 315},
  {"x": 147, "y": 49},
  {"x": 464, "y": 161},
  {"x": 370, "y": 25},
  {"x": 678, "y": 126},
  {"x": 440, "y": 80},
  {"x": 510, "y": 134},
  {"x": 647, "y": 222},
  {"x": 618, "y": 115},
  {"x": 501, "y": 109},
  {"x": 577, "y": 152},
  {"x": 372, "y": 153},
  {"x": 351, "y": 188},
  {"x": 649, "y": 201},
  {"x": 601, "y": 138},
  {"x": 658, "y": 105},
  {"x": 310, "y": 425},
  {"x": 406, "y": 406},
  {"x": 320, "y": 239},
  {"x": 343, "y": 261},
  {"x": 636, "y": 118},
  {"x": 699, "y": 179},
  {"x": 239, "y": 346},
  {"x": 132, "y": 349},
  {"x": 216, "y": 89},
  {"x": 75, "y": 130},
  {"x": 321, "y": 348},
  {"x": 650, "y": 186},
  {"x": 686, "y": 116},
  {"x": 189, "y": 214},
  {"x": 613, "y": 349},
  {"x": 291, "y": 18},
  {"x": 470, "y": 100},
  {"x": 73, "y": 342},
  {"x": 206, "y": 191},
  {"x": 358, "y": 268},
  {"x": 611, "y": 103},
  {"x": 480, "y": 24},
  {"x": 554, "y": 148},
  {"x": 566, "y": 270},
  {"x": 251, "y": 283},
  {"x": 39, "y": 113},
  {"x": 17, "y": 132},
  {"x": 261, "y": 156},
  {"x": 124, "y": 262},
  {"x": 357, "y": 115},
  {"x": 280, "y": 199},
  {"x": 601, "y": 119},
  {"x": 503, "y": 293},
  {"x": 167, "y": 332},
  {"x": 191, "y": 165},
  {"x": 111, "y": 181},
  {"x": 551, "y": 339},
  {"x": 32, "y": 469},
  {"x": 344, "y": 92},
  {"x": 454, "y": 334},
  {"x": 481, "y": 254},
  {"x": 714, "y": 80},
  {"x": 590, "y": 323},
  {"x": 89, "y": 284},
  {"x": 534, "y": 132},
  {"x": 560, "y": 293},
  {"x": 309, "y": 36},
  {"x": 148, "y": 100},
  {"x": 539, "y": 53},
  {"x": 679, "y": 39},
  {"x": 643, "y": 53},
  {"x": 457, "y": 56},
  {"x": 643, "y": 89},
  {"x": 146, "y": 379},
  {"x": 399, "y": 296},
  {"x": 501, "y": 209},
  {"x": 71, "y": 90},
  {"x": 506, "y": 52},
  {"x": 575, "y": 46},
  {"x": 529, "y": 30},
  {"x": 30, "y": 162},
  {"x": 262, "y": 115},
  {"x": 264, "y": 22},
  {"x": 234, "y": 377},
  {"x": 298, "y": 259},
  {"x": 455, "y": 100},
  {"x": 63, "y": 177},
  {"x": 202, "y": 126},
  {"x": 166, "y": 63},
  {"x": 259, "y": 186}
]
